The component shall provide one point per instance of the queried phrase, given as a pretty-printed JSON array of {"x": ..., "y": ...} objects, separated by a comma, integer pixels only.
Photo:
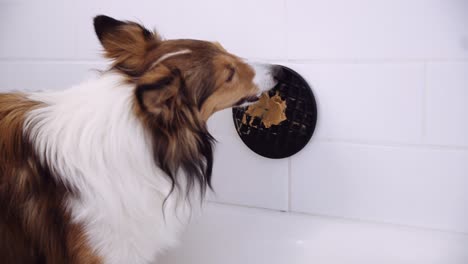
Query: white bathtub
[{"x": 236, "y": 235}]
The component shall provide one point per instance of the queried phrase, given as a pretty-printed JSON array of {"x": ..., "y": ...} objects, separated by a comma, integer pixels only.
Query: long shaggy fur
[
  {"x": 91, "y": 137},
  {"x": 184, "y": 147},
  {"x": 110, "y": 170}
]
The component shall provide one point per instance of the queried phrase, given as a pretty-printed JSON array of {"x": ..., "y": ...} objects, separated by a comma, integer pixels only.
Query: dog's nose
[
  {"x": 278, "y": 72},
  {"x": 264, "y": 77}
]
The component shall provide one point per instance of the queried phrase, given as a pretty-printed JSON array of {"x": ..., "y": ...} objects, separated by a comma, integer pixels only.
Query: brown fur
[
  {"x": 34, "y": 226},
  {"x": 173, "y": 99},
  {"x": 176, "y": 98},
  {"x": 205, "y": 70}
]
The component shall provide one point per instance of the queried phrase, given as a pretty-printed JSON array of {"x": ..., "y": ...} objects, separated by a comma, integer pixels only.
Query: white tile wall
[
  {"x": 253, "y": 29},
  {"x": 221, "y": 123},
  {"x": 374, "y": 102},
  {"x": 40, "y": 75},
  {"x": 447, "y": 103},
  {"x": 367, "y": 29},
  {"x": 409, "y": 186},
  {"x": 390, "y": 79},
  {"x": 242, "y": 177},
  {"x": 36, "y": 29}
]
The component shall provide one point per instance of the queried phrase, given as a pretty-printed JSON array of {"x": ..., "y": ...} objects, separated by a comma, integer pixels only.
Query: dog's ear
[
  {"x": 127, "y": 43},
  {"x": 159, "y": 91}
]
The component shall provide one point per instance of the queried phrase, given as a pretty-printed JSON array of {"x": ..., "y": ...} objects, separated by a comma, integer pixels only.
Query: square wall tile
[
  {"x": 366, "y": 29},
  {"x": 254, "y": 29},
  {"x": 409, "y": 186},
  {"x": 23, "y": 76},
  {"x": 447, "y": 104},
  {"x": 367, "y": 102},
  {"x": 222, "y": 123},
  {"x": 36, "y": 29},
  {"x": 242, "y": 177}
]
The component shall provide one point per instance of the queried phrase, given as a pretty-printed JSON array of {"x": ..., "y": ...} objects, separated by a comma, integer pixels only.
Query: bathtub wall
[{"x": 391, "y": 79}]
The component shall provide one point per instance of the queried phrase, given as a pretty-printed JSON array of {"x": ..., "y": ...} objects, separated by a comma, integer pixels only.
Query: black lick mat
[{"x": 290, "y": 136}]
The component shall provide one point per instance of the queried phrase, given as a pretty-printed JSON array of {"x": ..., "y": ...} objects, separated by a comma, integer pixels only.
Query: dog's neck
[
  {"x": 91, "y": 128},
  {"x": 95, "y": 125}
]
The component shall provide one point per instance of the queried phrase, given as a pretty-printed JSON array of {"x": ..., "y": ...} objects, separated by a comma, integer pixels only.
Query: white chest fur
[{"x": 92, "y": 139}]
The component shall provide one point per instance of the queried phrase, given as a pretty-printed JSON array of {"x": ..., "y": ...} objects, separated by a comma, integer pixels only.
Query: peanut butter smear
[{"x": 270, "y": 110}]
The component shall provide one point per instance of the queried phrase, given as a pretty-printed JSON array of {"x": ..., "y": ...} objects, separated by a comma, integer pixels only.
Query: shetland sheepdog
[{"x": 107, "y": 171}]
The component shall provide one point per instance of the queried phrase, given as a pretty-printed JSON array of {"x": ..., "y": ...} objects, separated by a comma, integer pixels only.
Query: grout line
[
  {"x": 53, "y": 61},
  {"x": 289, "y": 184},
  {"x": 393, "y": 144},
  {"x": 247, "y": 206},
  {"x": 76, "y": 21},
  {"x": 286, "y": 31},
  {"x": 271, "y": 59},
  {"x": 342, "y": 218},
  {"x": 258, "y": 59},
  {"x": 383, "y": 223},
  {"x": 357, "y": 61},
  {"x": 375, "y": 60},
  {"x": 424, "y": 105}
]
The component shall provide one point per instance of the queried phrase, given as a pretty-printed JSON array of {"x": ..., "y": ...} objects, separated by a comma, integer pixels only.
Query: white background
[{"x": 390, "y": 77}]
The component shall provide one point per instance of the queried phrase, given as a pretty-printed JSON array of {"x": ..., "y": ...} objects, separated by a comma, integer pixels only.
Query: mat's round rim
[{"x": 313, "y": 103}]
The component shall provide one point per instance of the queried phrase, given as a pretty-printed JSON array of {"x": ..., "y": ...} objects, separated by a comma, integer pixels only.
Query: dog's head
[
  {"x": 179, "y": 84},
  {"x": 199, "y": 74}
]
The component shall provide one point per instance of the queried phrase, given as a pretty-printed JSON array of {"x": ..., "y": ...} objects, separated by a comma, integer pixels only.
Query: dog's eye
[{"x": 232, "y": 72}]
